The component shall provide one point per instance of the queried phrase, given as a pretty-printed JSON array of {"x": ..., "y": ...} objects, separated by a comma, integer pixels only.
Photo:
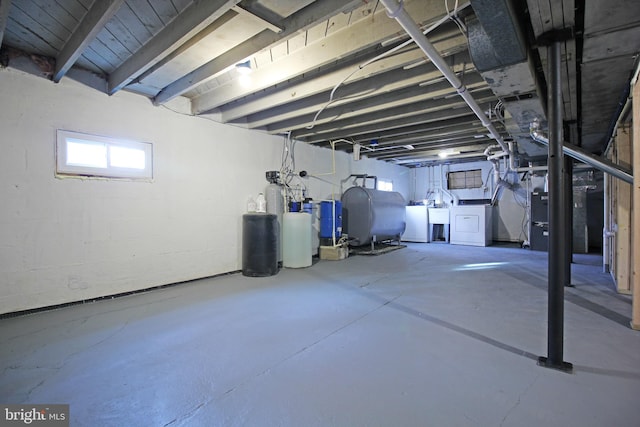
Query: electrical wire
[{"x": 385, "y": 54}]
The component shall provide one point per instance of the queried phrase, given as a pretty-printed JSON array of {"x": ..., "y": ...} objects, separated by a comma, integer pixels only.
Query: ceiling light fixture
[
  {"x": 446, "y": 153},
  {"x": 244, "y": 67},
  {"x": 409, "y": 147}
]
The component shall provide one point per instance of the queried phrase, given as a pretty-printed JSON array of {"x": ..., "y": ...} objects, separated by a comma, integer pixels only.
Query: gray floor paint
[{"x": 429, "y": 335}]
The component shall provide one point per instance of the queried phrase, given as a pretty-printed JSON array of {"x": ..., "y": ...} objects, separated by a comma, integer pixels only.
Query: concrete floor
[{"x": 429, "y": 335}]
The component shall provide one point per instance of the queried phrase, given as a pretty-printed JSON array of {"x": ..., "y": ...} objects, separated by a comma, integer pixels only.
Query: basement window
[
  {"x": 465, "y": 179},
  {"x": 385, "y": 185},
  {"x": 79, "y": 154}
]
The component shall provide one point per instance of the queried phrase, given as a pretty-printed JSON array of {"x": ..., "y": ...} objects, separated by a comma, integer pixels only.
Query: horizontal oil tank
[{"x": 370, "y": 215}]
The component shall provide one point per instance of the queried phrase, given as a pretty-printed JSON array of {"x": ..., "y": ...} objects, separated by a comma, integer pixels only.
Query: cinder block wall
[{"x": 64, "y": 240}]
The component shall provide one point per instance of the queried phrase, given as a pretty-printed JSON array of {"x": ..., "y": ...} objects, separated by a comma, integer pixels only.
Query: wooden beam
[
  {"x": 225, "y": 18},
  {"x": 458, "y": 110},
  {"x": 185, "y": 26},
  {"x": 339, "y": 44},
  {"x": 385, "y": 105},
  {"x": 635, "y": 241},
  {"x": 623, "y": 217},
  {"x": 92, "y": 23},
  {"x": 4, "y": 16},
  {"x": 264, "y": 22},
  {"x": 301, "y": 20},
  {"x": 387, "y": 82}
]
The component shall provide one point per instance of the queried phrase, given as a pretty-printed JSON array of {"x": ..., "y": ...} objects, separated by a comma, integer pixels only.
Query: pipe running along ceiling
[{"x": 341, "y": 73}]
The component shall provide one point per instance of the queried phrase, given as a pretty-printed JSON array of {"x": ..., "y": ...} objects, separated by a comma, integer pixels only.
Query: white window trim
[{"x": 63, "y": 169}]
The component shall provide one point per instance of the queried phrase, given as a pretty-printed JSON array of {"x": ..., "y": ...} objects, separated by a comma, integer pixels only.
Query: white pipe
[
  {"x": 396, "y": 10},
  {"x": 489, "y": 149},
  {"x": 496, "y": 172},
  {"x": 453, "y": 196},
  {"x": 497, "y": 156}
]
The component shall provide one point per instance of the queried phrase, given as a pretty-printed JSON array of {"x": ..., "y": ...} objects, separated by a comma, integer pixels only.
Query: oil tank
[{"x": 370, "y": 215}]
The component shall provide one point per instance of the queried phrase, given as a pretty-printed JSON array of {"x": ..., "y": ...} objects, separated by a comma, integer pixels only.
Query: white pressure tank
[{"x": 296, "y": 240}]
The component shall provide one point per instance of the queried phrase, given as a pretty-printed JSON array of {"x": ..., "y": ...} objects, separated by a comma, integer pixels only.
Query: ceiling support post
[
  {"x": 557, "y": 219},
  {"x": 568, "y": 227}
]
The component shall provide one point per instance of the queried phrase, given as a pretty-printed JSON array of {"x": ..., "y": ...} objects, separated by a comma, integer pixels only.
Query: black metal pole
[
  {"x": 568, "y": 229},
  {"x": 557, "y": 215}
]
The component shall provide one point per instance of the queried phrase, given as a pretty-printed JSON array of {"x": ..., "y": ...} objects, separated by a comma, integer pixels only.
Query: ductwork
[
  {"x": 396, "y": 10},
  {"x": 499, "y": 53}
]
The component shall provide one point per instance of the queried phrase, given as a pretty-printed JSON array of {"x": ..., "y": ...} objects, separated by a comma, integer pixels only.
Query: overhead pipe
[
  {"x": 396, "y": 10},
  {"x": 584, "y": 156},
  {"x": 579, "y": 166}
]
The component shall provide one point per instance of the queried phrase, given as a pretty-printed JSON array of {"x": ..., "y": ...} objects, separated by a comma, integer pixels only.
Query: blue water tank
[{"x": 327, "y": 224}]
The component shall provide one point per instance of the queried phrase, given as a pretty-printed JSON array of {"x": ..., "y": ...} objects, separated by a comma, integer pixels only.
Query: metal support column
[
  {"x": 557, "y": 215},
  {"x": 568, "y": 228}
]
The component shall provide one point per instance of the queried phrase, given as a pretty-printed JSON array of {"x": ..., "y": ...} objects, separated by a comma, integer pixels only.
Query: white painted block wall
[
  {"x": 64, "y": 240},
  {"x": 509, "y": 214}
]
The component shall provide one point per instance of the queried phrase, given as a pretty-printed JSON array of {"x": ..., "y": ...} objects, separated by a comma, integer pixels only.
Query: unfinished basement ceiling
[{"x": 312, "y": 70}]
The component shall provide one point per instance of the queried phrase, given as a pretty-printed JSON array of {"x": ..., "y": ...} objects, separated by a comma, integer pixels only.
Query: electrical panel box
[
  {"x": 540, "y": 207},
  {"x": 539, "y": 224}
]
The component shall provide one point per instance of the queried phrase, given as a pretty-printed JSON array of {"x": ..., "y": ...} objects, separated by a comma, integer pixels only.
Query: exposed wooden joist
[
  {"x": 407, "y": 101},
  {"x": 404, "y": 114},
  {"x": 429, "y": 149},
  {"x": 386, "y": 82},
  {"x": 381, "y": 126},
  {"x": 304, "y": 88},
  {"x": 263, "y": 107},
  {"x": 4, "y": 16},
  {"x": 362, "y": 34},
  {"x": 300, "y": 20},
  {"x": 266, "y": 23},
  {"x": 225, "y": 18},
  {"x": 434, "y": 135},
  {"x": 440, "y": 127},
  {"x": 549, "y": 15},
  {"x": 185, "y": 26},
  {"x": 92, "y": 23}
]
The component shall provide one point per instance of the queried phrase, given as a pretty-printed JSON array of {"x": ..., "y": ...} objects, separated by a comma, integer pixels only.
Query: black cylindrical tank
[{"x": 260, "y": 233}]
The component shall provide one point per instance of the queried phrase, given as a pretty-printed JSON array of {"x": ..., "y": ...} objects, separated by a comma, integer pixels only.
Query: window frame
[
  {"x": 470, "y": 178},
  {"x": 64, "y": 169}
]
